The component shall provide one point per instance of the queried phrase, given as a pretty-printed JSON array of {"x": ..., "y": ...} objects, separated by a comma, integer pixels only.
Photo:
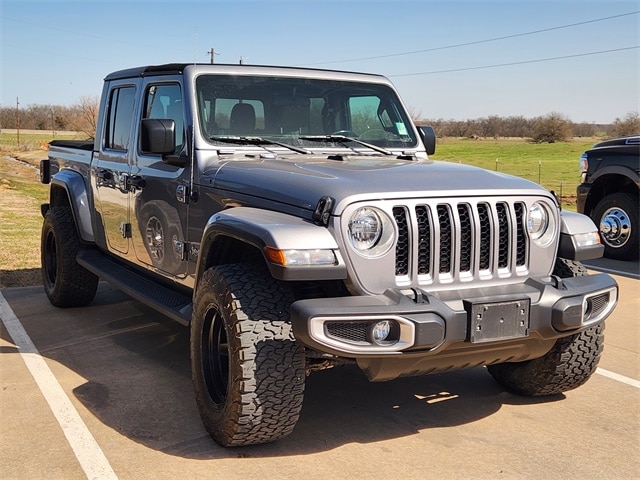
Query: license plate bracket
[{"x": 492, "y": 321}]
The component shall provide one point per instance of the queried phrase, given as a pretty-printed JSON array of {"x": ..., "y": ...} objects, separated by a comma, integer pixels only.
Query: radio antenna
[{"x": 193, "y": 195}]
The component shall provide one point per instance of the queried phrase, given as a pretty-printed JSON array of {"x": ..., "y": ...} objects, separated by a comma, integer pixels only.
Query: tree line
[
  {"x": 80, "y": 117},
  {"x": 553, "y": 127}
]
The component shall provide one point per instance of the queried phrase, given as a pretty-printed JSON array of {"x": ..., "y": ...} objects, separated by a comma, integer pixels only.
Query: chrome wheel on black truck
[
  {"x": 617, "y": 216},
  {"x": 248, "y": 371},
  {"x": 570, "y": 362}
]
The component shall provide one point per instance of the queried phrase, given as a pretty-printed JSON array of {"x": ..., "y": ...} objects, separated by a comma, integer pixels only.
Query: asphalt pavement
[{"x": 105, "y": 392}]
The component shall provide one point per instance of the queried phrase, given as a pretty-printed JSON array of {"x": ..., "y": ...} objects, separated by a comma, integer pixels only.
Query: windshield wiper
[
  {"x": 343, "y": 139},
  {"x": 256, "y": 141}
]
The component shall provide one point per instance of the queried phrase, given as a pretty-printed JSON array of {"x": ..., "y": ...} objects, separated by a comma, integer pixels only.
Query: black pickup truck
[{"x": 608, "y": 193}]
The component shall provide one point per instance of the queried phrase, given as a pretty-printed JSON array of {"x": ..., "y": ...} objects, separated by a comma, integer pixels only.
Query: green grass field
[
  {"x": 552, "y": 165},
  {"x": 33, "y": 139}
]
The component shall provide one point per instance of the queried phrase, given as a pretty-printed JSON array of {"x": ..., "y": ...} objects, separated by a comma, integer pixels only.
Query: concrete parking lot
[{"x": 105, "y": 392}]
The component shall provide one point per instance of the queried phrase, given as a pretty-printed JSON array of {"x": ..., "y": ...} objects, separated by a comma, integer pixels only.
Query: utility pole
[
  {"x": 212, "y": 53},
  {"x": 242, "y": 59},
  {"x": 53, "y": 123},
  {"x": 18, "y": 120}
]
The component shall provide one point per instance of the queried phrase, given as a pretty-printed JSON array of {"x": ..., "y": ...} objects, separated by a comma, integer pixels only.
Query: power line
[
  {"x": 477, "y": 42},
  {"x": 515, "y": 63}
]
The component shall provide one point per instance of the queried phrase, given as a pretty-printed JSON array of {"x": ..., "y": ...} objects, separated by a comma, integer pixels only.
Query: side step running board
[{"x": 172, "y": 304}]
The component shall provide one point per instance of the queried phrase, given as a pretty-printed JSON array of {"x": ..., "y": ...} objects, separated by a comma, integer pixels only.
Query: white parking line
[
  {"x": 84, "y": 446},
  {"x": 619, "y": 378}
]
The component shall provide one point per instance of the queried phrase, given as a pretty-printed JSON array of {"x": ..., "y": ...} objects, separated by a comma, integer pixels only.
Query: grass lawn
[{"x": 552, "y": 165}]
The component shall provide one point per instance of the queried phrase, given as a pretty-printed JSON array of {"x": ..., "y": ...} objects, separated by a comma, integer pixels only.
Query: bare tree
[
  {"x": 553, "y": 127},
  {"x": 416, "y": 115},
  {"x": 585, "y": 129},
  {"x": 629, "y": 125},
  {"x": 86, "y": 115}
]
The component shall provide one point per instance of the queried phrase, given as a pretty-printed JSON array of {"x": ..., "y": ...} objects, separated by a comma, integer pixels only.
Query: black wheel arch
[
  {"x": 222, "y": 248},
  {"x": 607, "y": 184},
  {"x": 66, "y": 186}
]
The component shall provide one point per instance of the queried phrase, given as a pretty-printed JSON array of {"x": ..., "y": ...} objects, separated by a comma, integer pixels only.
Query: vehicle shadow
[
  {"x": 138, "y": 383},
  {"x": 625, "y": 268}
]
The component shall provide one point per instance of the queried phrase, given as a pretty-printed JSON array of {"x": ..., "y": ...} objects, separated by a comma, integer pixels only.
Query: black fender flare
[{"x": 73, "y": 184}]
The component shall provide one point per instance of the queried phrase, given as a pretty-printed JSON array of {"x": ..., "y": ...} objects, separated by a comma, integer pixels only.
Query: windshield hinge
[
  {"x": 322, "y": 212},
  {"x": 407, "y": 156}
]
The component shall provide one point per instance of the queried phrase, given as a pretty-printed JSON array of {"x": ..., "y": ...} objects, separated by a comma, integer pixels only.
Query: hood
[{"x": 303, "y": 183}]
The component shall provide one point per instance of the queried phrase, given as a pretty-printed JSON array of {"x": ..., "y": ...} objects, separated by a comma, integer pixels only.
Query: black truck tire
[
  {"x": 66, "y": 283},
  {"x": 248, "y": 371},
  {"x": 570, "y": 362},
  {"x": 617, "y": 216}
]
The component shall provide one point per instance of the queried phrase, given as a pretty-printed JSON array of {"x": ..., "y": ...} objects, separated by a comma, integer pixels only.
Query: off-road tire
[
  {"x": 66, "y": 283},
  {"x": 627, "y": 211},
  {"x": 248, "y": 371},
  {"x": 569, "y": 363}
]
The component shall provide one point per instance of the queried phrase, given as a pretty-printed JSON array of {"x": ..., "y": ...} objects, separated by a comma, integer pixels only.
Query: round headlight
[
  {"x": 370, "y": 231},
  {"x": 365, "y": 228},
  {"x": 537, "y": 221}
]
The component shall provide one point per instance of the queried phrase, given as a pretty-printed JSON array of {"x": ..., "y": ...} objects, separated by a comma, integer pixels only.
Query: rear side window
[{"x": 121, "y": 105}]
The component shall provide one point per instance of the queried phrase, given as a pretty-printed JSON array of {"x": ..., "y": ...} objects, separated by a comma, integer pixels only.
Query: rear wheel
[
  {"x": 66, "y": 283},
  {"x": 248, "y": 371},
  {"x": 570, "y": 362}
]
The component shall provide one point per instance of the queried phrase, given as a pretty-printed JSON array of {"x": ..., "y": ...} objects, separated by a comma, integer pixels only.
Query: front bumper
[{"x": 507, "y": 323}]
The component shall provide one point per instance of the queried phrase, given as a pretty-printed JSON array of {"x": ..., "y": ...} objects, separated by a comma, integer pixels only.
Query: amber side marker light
[{"x": 288, "y": 258}]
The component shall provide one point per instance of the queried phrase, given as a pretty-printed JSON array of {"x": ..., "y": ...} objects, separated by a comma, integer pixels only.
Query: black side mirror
[
  {"x": 158, "y": 136},
  {"x": 428, "y": 136}
]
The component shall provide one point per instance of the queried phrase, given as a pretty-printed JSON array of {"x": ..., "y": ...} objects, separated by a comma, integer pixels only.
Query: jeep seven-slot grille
[{"x": 464, "y": 239}]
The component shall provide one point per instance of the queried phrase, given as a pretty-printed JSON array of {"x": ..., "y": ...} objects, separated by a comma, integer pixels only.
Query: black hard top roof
[{"x": 150, "y": 70}]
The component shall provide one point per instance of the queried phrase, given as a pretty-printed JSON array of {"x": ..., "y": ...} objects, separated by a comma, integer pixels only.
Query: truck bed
[
  {"x": 79, "y": 144},
  {"x": 75, "y": 154}
]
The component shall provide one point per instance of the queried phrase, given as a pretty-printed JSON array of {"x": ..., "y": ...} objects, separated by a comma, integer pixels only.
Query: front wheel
[
  {"x": 248, "y": 371},
  {"x": 570, "y": 362}
]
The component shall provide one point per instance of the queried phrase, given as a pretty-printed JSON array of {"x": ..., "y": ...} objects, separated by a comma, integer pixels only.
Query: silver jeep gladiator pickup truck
[{"x": 293, "y": 220}]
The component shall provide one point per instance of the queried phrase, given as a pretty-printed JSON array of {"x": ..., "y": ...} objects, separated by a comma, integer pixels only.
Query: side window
[
  {"x": 121, "y": 105},
  {"x": 165, "y": 101}
]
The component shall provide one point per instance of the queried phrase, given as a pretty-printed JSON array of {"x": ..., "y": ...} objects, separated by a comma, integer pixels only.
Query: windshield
[{"x": 287, "y": 109}]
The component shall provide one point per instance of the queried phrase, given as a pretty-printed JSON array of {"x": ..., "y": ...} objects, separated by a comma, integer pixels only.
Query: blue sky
[{"x": 55, "y": 52}]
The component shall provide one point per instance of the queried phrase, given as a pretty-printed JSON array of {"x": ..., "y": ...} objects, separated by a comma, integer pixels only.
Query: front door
[{"x": 158, "y": 208}]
